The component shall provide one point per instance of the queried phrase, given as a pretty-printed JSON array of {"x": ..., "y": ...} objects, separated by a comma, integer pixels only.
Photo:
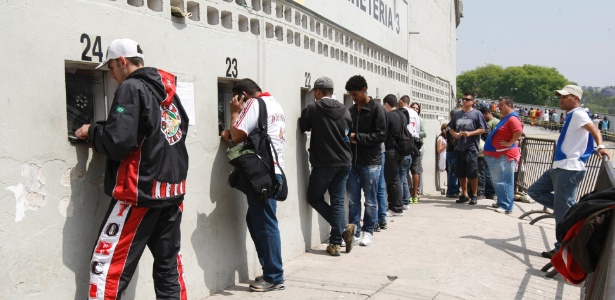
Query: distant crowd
[{"x": 547, "y": 118}]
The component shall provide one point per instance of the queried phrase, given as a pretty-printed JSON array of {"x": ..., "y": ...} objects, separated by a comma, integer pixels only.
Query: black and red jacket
[
  {"x": 144, "y": 140},
  {"x": 583, "y": 232}
]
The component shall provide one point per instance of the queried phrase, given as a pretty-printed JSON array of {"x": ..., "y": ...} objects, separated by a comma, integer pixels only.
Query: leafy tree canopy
[
  {"x": 527, "y": 84},
  {"x": 599, "y": 100}
]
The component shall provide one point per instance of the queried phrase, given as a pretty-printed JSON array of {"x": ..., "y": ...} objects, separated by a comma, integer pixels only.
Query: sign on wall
[{"x": 383, "y": 22}]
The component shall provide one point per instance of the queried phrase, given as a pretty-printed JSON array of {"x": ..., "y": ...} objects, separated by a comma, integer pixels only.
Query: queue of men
[{"x": 350, "y": 151}]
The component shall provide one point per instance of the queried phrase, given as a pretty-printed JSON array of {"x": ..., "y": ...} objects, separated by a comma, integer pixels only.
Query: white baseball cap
[
  {"x": 121, "y": 47},
  {"x": 570, "y": 90}
]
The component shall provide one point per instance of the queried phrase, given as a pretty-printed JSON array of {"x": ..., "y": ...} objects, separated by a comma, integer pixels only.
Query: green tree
[
  {"x": 483, "y": 82},
  {"x": 532, "y": 84},
  {"x": 527, "y": 84},
  {"x": 599, "y": 100}
]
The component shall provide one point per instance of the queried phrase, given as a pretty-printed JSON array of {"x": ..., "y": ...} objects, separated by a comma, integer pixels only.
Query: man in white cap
[
  {"x": 557, "y": 187},
  {"x": 147, "y": 163},
  {"x": 331, "y": 159}
]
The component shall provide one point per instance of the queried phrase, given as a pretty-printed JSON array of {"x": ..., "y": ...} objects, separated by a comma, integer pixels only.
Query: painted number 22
[
  {"x": 231, "y": 70},
  {"x": 308, "y": 80},
  {"x": 96, "y": 48}
]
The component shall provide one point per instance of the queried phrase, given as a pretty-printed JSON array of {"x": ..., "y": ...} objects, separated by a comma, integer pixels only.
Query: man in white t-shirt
[
  {"x": 545, "y": 118},
  {"x": 557, "y": 187},
  {"x": 261, "y": 216},
  {"x": 413, "y": 127}
]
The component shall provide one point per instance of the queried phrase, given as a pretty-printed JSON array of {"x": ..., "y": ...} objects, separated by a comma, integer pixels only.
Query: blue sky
[{"x": 575, "y": 37}]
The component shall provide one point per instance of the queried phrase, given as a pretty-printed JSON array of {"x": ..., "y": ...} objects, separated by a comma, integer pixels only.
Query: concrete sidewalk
[{"x": 437, "y": 250}]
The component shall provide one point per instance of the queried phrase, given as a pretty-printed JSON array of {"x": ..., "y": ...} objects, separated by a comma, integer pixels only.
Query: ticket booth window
[
  {"x": 86, "y": 97},
  {"x": 225, "y": 94}
]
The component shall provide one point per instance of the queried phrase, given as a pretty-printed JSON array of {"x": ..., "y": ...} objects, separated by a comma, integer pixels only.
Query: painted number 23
[
  {"x": 96, "y": 48},
  {"x": 231, "y": 70}
]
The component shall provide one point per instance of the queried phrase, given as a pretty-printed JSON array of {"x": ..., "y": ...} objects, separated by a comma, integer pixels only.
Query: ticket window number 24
[{"x": 95, "y": 45}]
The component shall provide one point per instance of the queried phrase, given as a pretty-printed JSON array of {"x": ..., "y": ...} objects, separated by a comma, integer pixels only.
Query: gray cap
[{"x": 323, "y": 83}]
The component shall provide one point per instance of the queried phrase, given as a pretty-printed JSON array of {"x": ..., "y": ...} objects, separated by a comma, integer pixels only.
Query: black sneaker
[
  {"x": 382, "y": 224},
  {"x": 462, "y": 199},
  {"x": 452, "y": 196},
  {"x": 264, "y": 286},
  {"x": 377, "y": 227},
  {"x": 473, "y": 200}
]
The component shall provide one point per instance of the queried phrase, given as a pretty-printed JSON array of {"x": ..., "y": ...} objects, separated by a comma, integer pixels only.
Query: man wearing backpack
[
  {"x": 261, "y": 216},
  {"x": 368, "y": 132},
  {"x": 330, "y": 156},
  {"x": 396, "y": 122}
]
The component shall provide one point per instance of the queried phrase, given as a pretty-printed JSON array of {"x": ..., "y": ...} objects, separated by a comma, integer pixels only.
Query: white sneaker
[
  {"x": 494, "y": 205},
  {"x": 406, "y": 206},
  {"x": 391, "y": 213},
  {"x": 367, "y": 239},
  {"x": 503, "y": 211},
  {"x": 356, "y": 240}
]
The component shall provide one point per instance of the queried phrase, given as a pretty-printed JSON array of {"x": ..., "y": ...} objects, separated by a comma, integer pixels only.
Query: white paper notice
[{"x": 185, "y": 91}]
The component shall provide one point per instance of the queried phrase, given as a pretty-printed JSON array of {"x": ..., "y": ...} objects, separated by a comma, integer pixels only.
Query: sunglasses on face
[{"x": 467, "y": 99}]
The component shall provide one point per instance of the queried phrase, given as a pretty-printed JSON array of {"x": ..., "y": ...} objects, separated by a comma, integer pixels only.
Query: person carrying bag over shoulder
[
  {"x": 259, "y": 123},
  {"x": 254, "y": 163}
]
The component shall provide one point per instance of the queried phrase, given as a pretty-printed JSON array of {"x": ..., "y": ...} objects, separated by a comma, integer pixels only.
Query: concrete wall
[{"x": 52, "y": 199}]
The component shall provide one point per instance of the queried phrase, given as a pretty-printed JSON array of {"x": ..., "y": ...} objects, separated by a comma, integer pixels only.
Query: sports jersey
[
  {"x": 276, "y": 123},
  {"x": 574, "y": 142}
]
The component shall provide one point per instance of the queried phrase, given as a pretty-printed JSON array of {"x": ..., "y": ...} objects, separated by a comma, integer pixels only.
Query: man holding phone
[{"x": 261, "y": 216}]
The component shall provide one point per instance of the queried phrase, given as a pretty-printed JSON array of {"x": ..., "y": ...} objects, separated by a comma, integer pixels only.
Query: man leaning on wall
[
  {"x": 146, "y": 123},
  {"x": 330, "y": 157}
]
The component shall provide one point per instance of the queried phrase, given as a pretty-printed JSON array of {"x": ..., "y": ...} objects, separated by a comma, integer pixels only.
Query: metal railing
[
  {"x": 537, "y": 157},
  {"x": 601, "y": 283}
]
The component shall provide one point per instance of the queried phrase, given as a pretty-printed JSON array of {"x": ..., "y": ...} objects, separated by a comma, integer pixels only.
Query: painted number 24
[{"x": 96, "y": 48}]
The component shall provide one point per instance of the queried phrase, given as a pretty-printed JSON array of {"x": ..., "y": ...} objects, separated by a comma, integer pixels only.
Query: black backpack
[
  {"x": 254, "y": 173},
  {"x": 405, "y": 141}
]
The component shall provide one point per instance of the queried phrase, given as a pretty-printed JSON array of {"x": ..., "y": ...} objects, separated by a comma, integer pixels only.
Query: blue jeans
[
  {"x": 557, "y": 190},
  {"x": 503, "y": 179},
  {"x": 364, "y": 177},
  {"x": 381, "y": 196},
  {"x": 451, "y": 180},
  {"x": 403, "y": 177},
  {"x": 263, "y": 226},
  {"x": 334, "y": 180}
]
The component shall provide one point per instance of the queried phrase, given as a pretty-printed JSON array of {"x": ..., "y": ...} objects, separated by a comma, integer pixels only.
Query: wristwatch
[{"x": 601, "y": 147}]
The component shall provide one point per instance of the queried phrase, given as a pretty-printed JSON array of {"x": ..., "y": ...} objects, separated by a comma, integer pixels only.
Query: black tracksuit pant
[{"x": 125, "y": 232}]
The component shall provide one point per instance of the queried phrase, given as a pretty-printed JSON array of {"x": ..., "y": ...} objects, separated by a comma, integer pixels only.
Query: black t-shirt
[{"x": 467, "y": 121}]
